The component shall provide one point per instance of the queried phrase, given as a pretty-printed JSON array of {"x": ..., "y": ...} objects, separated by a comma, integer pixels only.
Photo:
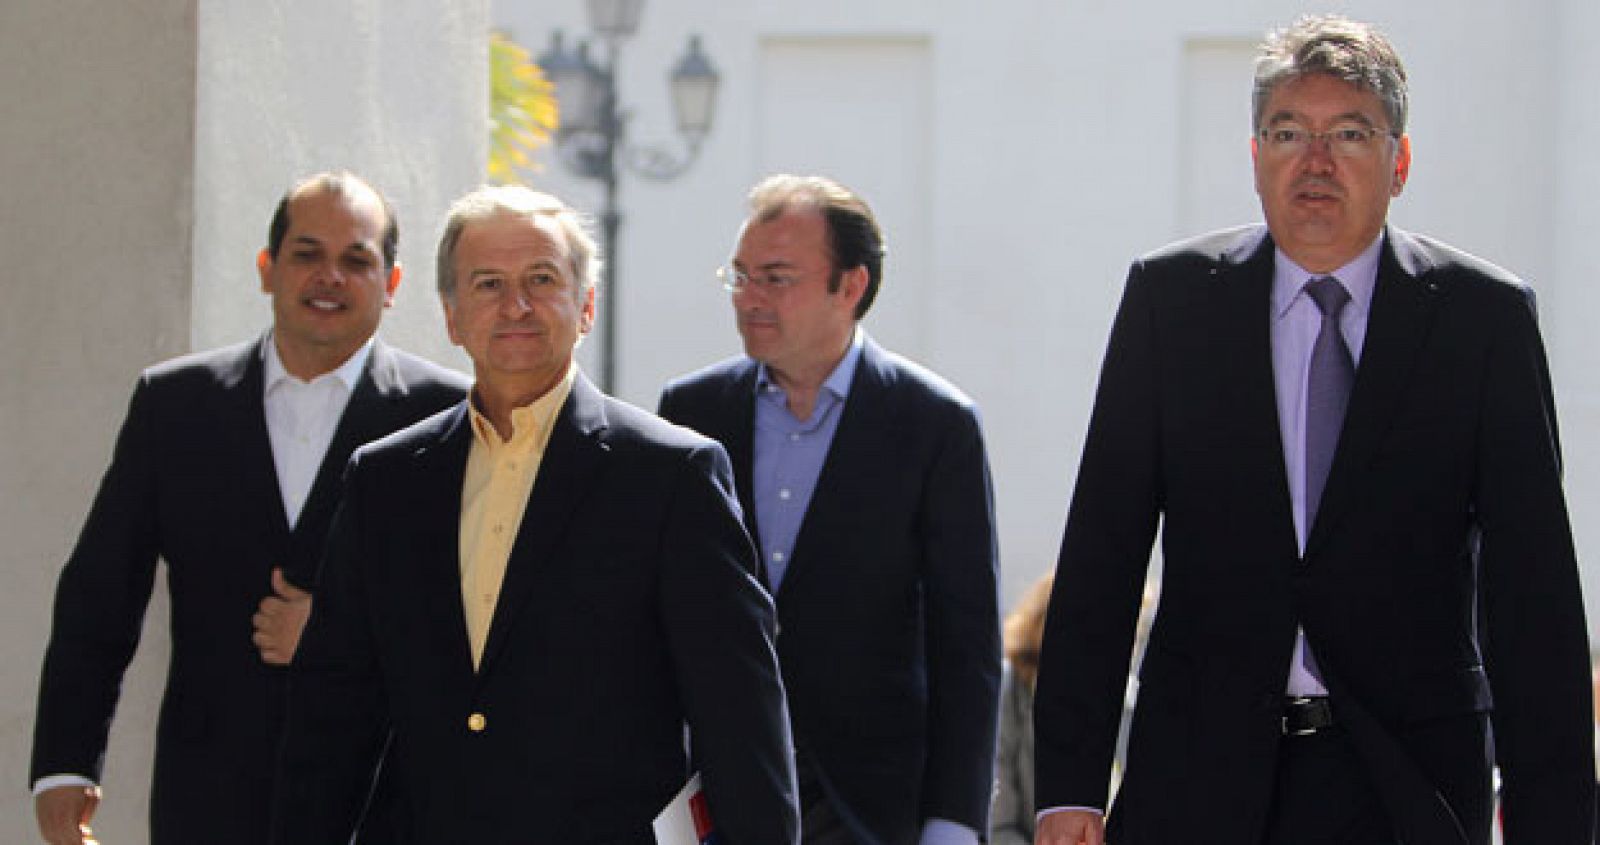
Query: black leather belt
[{"x": 1304, "y": 716}]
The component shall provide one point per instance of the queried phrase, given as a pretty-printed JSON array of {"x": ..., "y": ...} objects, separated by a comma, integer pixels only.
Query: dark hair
[
  {"x": 854, "y": 238},
  {"x": 341, "y": 183}
]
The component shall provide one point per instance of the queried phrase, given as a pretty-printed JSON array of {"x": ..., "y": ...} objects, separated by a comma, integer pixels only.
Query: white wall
[
  {"x": 95, "y": 142},
  {"x": 142, "y": 149},
  {"x": 1061, "y": 140},
  {"x": 1571, "y": 305}
]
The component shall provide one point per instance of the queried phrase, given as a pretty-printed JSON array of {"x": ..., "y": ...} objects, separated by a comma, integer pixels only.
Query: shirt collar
[
  {"x": 347, "y": 373},
  {"x": 1359, "y": 278},
  {"x": 838, "y": 382},
  {"x": 531, "y": 423}
]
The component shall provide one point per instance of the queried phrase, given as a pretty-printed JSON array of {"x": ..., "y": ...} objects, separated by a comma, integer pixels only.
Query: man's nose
[
  {"x": 329, "y": 273},
  {"x": 1319, "y": 152},
  {"x": 516, "y": 300}
]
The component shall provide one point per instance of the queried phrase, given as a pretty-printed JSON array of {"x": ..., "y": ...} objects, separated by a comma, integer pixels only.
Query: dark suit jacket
[
  {"x": 1443, "y": 512},
  {"x": 628, "y": 606},
  {"x": 192, "y": 482},
  {"x": 890, "y": 631}
]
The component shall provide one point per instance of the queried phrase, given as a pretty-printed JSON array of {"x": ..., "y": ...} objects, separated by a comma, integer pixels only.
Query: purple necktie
[
  {"x": 1333, "y": 372},
  {"x": 1327, "y": 390}
]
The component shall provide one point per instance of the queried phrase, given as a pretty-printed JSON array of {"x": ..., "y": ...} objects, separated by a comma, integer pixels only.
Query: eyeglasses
[
  {"x": 1346, "y": 141},
  {"x": 735, "y": 280}
]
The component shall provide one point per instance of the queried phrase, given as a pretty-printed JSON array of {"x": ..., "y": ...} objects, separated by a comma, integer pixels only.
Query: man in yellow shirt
[{"x": 528, "y": 595}]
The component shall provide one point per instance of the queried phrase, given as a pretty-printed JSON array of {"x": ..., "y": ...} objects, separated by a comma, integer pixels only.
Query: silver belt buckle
[{"x": 1296, "y": 701}]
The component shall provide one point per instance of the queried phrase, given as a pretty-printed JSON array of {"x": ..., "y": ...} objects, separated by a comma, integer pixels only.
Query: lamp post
[{"x": 592, "y": 138}]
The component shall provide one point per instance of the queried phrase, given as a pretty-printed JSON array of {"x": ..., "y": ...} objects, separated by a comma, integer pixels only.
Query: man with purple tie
[{"x": 1347, "y": 437}]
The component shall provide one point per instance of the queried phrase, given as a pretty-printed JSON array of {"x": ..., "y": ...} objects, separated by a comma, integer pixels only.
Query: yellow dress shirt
[{"x": 494, "y": 495}]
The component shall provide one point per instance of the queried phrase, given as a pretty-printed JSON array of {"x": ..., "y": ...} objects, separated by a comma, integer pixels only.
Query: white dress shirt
[{"x": 301, "y": 418}]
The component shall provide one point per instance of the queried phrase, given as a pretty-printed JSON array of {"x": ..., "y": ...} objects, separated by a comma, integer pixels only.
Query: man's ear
[
  {"x": 586, "y": 313},
  {"x": 1255, "y": 162},
  {"x": 1402, "y": 166},
  {"x": 392, "y": 285},
  {"x": 853, "y": 285},
  {"x": 264, "y": 269}
]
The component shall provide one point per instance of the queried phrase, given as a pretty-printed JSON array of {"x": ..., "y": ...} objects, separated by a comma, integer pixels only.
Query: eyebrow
[
  {"x": 769, "y": 266},
  {"x": 1356, "y": 116},
  {"x": 541, "y": 264},
  {"x": 312, "y": 241}
]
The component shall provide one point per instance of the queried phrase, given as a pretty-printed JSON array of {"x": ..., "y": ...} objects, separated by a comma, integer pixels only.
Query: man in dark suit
[
  {"x": 527, "y": 596},
  {"x": 865, "y": 483},
  {"x": 1370, "y": 595},
  {"x": 227, "y": 468}
]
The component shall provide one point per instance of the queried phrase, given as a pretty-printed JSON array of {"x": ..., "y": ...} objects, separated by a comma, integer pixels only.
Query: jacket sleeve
[
  {"x": 100, "y": 604},
  {"x": 1089, "y": 629},
  {"x": 961, "y": 625},
  {"x": 1537, "y": 653},
  {"x": 720, "y": 626}
]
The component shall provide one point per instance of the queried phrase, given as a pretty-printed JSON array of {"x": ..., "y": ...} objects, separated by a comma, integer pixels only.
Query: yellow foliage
[{"x": 522, "y": 110}]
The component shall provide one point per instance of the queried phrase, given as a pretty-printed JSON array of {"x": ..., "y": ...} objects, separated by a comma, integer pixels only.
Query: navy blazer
[
  {"x": 889, "y": 612},
  {"x": 1442, "y": 514},
  {"x": 629, "y": 606},
  {"x": 192, "y": 482}
]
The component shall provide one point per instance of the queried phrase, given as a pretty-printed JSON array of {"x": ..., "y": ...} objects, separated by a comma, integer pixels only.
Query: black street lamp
[{"x": 591, "y": 140}]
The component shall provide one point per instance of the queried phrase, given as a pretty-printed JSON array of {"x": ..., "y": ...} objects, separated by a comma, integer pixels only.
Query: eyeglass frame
[
  {"x": 1300, "y": 147},
  {"x": 735, "y": 280}
]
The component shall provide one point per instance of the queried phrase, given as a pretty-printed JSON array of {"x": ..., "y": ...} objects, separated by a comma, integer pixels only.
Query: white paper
[{"x": 677, "y": 824}]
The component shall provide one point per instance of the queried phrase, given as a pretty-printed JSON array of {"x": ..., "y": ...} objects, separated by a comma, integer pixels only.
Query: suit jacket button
[{"x": 477, "y": 722}]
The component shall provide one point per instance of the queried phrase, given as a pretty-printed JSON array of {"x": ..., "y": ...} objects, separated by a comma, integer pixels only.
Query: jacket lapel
[
  {"x": 857, "y": 443},
  {"x": 1243, "y": 324},
  {"x": 572, "y": 461},
  {"x": 366, "y": 417},
  {"x": 243, "y": 419},
  {"x": 1403, "y": 307},
  {"x": 739, "y": 441},
  {"x": 435, "y": 503}
]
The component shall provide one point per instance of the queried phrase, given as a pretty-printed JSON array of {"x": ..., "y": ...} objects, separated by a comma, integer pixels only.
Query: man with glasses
[
  {"x": 866, "y": 486},
  {"x": 1347, "y": 436}
]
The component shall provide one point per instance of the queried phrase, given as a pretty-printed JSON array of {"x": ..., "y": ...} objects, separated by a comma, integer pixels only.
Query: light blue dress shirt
[
  {"x": 1296, "y": 321},
  {"x": 787, "y": 461},
  {"x": 788, "y": 458}
]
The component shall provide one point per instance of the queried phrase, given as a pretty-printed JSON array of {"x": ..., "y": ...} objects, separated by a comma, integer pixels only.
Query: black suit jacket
[
  {"x": 1443, "y": 512},
  {"x": 192, "y": 482},
  {"x": 888, "y": 611},
  {"x": 629, "y": 606}
]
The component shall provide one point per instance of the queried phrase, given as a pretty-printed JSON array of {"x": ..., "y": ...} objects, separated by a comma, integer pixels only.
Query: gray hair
[
  {"x": 1335, "y": 46},
  {"x": 516, "y": 201}
]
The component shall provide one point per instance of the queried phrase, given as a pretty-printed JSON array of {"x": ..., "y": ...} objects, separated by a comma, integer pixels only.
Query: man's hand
[
  {"x": 1071, "y": 827},
  {"x": 279, "y": 620},
  {"x": 64, "y": 813}
]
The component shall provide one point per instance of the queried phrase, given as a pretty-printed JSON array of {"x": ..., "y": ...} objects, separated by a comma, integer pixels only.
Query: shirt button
[
  {"x": 794, "y": 438},
  {"x": 477, "y": 722},
  {"x": 783, "y": 494},
  {"x": 777, "y": 557},
  {"x": 498, "y": 528}
]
